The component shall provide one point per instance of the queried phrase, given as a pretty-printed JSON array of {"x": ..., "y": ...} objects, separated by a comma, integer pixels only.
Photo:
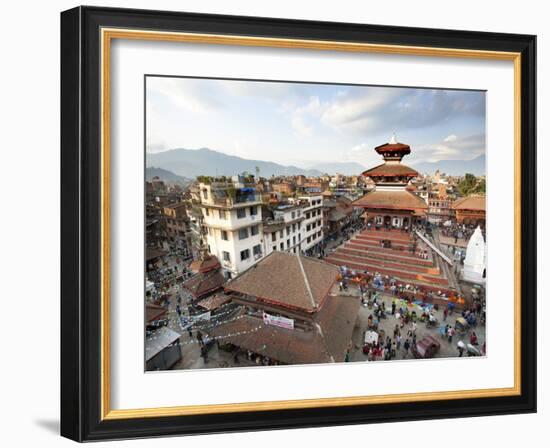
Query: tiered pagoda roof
[
  {"x": 393, "y": 150},
  {"x": 391, "y": 170},
  {"x": 392, "y": 200}
]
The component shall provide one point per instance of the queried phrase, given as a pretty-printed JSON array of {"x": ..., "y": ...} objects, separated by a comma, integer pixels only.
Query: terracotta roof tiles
[
  {"x": 326, "y": 342},
  {"x": 203, "y": 283},
  {"x": 399, "y": 200},
  {"x": 386, "y": 169},
  {"x": 287, "y": 279},
  {"x": 473, "y": 202}
]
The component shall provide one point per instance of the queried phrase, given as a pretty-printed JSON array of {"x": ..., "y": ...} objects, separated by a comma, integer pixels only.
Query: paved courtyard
[
  {"x": 388, "y": 324},
  {"x": 219, "y": 358}
]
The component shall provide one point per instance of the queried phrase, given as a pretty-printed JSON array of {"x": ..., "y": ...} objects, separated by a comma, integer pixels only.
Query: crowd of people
[
  {"x": 457, "y": 231},
  {"x": 385, "y": 283}
]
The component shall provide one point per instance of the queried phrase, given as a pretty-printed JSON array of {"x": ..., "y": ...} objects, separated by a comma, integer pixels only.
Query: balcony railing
[{"x": 241, "y": 199}]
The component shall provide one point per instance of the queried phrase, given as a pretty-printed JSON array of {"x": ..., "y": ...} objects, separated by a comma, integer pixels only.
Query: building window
[
  {"x": 243, "y": 234},
  {"x": 308, "y": 215},
  {"x": 225, "y": 237},
  {"x": 293, "y": 240},
  {"x": 241, "y": 213},
  {"x": 293, "y": 215},
  {"x": 222, "y": 214},
  {"x": 281, "y": 234},
  {"x": 254, "y": 230},
  {"x": 287, "y": 244},
  {"x": 274, "y": 248},
  {"x": 319, "y": 233},
  {"x": 253, "y": 210},
  {"x": 226, "y": 256},
  {"x": 274, "y": 236},
  {"x": 282, "y": 246},
  {"x": 257, "y": 251},
  {"x": 206, "y": 212},
  {"x": 308, "y": 227},
  {"x": 205, "y": 193},
  {"x": 293, "y": 228},
  {"x": 308, "y": 239},
  {"x": 245, "y": 254},
  {"x": 288, "y": 231}
]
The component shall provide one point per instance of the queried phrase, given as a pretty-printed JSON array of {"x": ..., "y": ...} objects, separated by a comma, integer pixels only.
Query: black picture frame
[{"x": 81, "y": 224}]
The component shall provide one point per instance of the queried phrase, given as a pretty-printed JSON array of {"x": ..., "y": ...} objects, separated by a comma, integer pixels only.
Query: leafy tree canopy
[{"x": 470, "y": 184}]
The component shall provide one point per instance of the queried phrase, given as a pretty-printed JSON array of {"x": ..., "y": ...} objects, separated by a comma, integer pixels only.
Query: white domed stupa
[{"x": 474, "y": 263}]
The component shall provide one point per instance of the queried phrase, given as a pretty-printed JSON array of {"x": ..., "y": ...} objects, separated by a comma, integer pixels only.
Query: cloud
[
  {"x": 378, "y": 110},
  {"x": 463, "y": 148},
  {"x": 191, "y": 94},
  {"x": 450, "y": 138},
  {"x": 360, "y": 148},
  {"x": 304, "y": 117}
]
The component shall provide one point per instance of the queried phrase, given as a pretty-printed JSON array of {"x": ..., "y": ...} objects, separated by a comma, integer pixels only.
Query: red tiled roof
[
  {"x": 327, "y": 340},
  {"x": 399, "y": 200},
  {"x": 203, "y": 283},
  {"x": 206, "y": 264},
  {"x": 386, "y": 169},
  {"x": 474, "y": 202},
  {"x": 287, "y": 279},
  {"x": 214, "y": 302},
  {"x": 153, "y": 312},
  {"x": 393, "y": 147}
]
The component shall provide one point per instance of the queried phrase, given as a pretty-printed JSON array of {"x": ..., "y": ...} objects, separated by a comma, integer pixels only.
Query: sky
[{"x": 304, "y": 124}]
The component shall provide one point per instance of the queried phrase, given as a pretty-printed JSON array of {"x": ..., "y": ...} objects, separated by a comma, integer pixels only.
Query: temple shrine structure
[
  {"x": 390, "y": 204},
  {"x": 392, "y": 244}
]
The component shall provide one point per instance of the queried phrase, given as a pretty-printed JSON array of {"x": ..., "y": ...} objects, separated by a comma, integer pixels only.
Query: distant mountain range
[
  {"x": 166, "y": 176},
  {"x": 181, "y": 165},
  {"x": 191, "y": 163},
  {"x": 453, "y": 167}
]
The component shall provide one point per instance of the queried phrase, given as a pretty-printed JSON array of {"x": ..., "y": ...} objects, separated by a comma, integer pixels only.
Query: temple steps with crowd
[{"x": 365, "y": 252}]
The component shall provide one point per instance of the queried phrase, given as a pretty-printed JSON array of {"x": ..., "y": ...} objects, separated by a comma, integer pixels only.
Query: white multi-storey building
[
  {"x": 312, "y": 225},
  {"x": 285, "y": 231},
  {"x": 233, "y": 224}
]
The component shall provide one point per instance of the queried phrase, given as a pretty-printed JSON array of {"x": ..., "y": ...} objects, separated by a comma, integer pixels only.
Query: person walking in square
[
  {"x": 450, "y": 334},
  {"x": 406, "y": 347}
]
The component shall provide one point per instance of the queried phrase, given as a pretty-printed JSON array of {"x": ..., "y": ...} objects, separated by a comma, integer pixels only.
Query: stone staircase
[{"x": 365, "y": 253}]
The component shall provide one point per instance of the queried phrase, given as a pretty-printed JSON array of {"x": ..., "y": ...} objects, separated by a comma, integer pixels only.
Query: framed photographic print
[{"x": 272, "y": 223}]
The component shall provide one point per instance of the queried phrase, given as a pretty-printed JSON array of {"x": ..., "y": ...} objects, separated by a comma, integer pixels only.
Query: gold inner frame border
[{"x": 107, "y": 35}]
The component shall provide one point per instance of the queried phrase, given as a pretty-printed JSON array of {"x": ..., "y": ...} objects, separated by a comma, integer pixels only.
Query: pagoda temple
[{"x": 390, "y": 205}]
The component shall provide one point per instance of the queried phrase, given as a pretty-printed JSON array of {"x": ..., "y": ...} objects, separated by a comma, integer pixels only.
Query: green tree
[
  {"x": 480, "y": 187},
  {"x": 467, "y": 185}
]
